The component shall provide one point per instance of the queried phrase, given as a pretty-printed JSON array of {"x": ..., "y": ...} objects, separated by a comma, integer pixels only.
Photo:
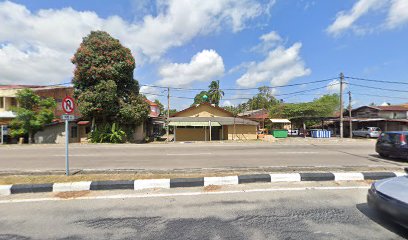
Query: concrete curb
[{"x": 194, "y": 182}]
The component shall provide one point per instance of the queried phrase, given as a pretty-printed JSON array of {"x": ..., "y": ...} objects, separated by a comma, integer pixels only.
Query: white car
[{"x": 368, "y": 132}]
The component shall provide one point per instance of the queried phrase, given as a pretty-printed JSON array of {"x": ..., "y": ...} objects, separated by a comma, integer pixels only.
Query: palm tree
[{"x": 215, "y": 92}]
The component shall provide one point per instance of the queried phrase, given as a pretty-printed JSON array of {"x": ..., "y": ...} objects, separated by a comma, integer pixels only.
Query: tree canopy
[
  {"x": 32, "y": 114},
  {"x": 103, "y": 81},
  {"x": 215, "y": 93},
  {"x": 324, "y": 106},
  {"x": 203, "y": 96},
  {"x": 264, "y": 99}
]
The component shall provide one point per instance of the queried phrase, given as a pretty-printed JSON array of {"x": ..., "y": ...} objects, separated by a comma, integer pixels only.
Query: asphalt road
[
  {"x": 282, "y": 214},
  {"x": 190, "y": 156}
]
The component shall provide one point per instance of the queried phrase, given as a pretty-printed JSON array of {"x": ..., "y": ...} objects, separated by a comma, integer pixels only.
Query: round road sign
[{"x": 68, "y": 105}]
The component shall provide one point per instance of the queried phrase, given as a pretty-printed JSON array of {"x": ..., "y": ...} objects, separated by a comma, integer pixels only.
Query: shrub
[{"x": 108, "y": 134}]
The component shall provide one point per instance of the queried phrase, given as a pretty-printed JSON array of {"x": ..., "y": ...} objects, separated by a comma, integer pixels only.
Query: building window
[
  {"x": 13, "y": 102},
  {"x": 74, "y": 132},
  {"x": 1, "y": 102}
]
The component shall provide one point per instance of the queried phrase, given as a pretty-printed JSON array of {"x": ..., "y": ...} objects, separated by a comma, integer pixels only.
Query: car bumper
[{"x": 397, "y": 210}]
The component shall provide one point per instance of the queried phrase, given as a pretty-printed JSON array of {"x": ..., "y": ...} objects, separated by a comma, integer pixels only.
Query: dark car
[
  {"x": 393, "y": 144},
  {"x": 390, "y": 196}
]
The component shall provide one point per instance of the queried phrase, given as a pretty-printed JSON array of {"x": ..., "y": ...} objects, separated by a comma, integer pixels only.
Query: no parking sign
[{"x": 68, "y": 105}]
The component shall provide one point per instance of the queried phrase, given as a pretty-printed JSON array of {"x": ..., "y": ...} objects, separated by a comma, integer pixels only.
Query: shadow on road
[{"x": 382, "y": 220}]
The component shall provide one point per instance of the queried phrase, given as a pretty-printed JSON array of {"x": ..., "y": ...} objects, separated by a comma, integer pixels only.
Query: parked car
[
  {"x": 390, "y": 196},
  {"x": 368, "y": 132},
  {"x": 393, "y": 144},
  {"x": 293, "y": 132}
]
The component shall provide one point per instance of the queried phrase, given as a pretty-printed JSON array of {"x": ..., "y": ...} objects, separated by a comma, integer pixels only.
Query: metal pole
[
  {"x": 2, "y": 135},
  {"x": 175, "y": 128},
  {"x": 168, "y": 114},
  {"x": 66, "y": 148},
  {"x": 350, "y": 120},
  {"x": 341, "y": 104},
  {"x": 209, "y": 124}
]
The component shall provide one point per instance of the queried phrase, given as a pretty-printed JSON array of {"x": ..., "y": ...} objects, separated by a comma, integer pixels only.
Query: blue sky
[{"x": 243, "y": 43}]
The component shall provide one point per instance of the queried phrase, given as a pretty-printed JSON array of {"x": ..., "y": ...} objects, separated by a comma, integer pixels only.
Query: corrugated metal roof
[
  {"x": 194, "y": 124},
  {"x": 280, "y": 120},
  {"x": 221, "y": 120}
]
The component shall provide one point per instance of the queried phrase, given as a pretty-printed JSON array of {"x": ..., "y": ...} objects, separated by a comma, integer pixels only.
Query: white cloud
[
  {"x": 204, "y": 66},
  {"x": 280, "y": 66},
  {"x": 345, "y": 20},
  {"x": 334, "y": 86},
  {"x": 397, "y": 15},
  {"x": 226, "y": 103},
  {"x": 151, "y": 93},
  {"x": 268, "y": 41},
  {"x": 46, "y": 40}
]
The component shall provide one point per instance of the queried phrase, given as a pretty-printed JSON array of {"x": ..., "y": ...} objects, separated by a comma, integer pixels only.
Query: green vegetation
[
  {"x": 108, "y": 134},
  {"x": 213, "y": 95},
  {"x": 324, "y": 106},
  {"x": 104, "y": 84},
  {"x": 32, "y": 114},
  {"x": 264, "y": 99}
]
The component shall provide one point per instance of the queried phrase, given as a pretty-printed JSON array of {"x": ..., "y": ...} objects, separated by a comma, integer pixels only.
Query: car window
[
  {"x": 394, "y": 137},
  {"x": 376, "y": 129}
]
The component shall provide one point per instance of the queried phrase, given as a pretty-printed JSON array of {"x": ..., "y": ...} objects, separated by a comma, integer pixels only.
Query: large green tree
[
  {"x": 264, "y": 99},
  {"x": 104, "y": 84},
  {"x": 202, "y": 97},
  {"x": 161, "y": 107},
  {"x": 215, "y": 93},
  {"x": 32, "y": 114},
  {"x": 324, "y": 106}
]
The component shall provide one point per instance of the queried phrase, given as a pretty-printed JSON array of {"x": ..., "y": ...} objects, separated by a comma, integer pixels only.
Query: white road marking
[
  {"x": 187, "y": 154},
  {"x": 348, "y": 176},
  {"x": 5, "y": 189},
  {"x": 158, "y": 195},
  {"x": 398, "y": 174},
  {"x": 151, "y": 183},
  {"x": 295, "y": 152},
  {"x": 72, "y": 186},
  {"x": 285, "y": 177},
  {"x": 229, "y": 180}
]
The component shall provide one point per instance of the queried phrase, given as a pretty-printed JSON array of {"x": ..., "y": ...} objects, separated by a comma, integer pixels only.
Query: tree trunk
[
  {"x": 93, "y": 124},
  {"x": 30, "y": 137}
]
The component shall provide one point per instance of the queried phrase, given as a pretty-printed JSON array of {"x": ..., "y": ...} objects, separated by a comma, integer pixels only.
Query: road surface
[
  {"x": 190, "y": 156},
  {"x": 289, "y": 213}
]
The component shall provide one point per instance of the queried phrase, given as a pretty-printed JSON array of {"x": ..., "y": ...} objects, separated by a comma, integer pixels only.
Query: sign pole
[
  {"x": 68, "y": 106},
  {"x": 2, "y": 135},
  {"x": 66, "y": 148}
]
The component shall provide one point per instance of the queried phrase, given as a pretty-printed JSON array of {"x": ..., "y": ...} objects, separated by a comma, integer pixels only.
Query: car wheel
[
  {"x": 383, "y": 155},
  {"x": 368, "y": 136}
]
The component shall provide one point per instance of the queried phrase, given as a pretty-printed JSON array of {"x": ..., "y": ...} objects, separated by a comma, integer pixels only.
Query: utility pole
[
  {"x": 350, "y": 121},
  {"x": 341, "y": 104},
  {"x": 168, "y": 114}
]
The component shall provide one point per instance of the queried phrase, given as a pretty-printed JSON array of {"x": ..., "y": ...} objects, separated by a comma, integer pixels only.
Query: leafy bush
[{"x": 108, "y": 134}]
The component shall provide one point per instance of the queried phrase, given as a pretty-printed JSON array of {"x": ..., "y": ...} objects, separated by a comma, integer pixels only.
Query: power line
[
  {"x": 243, "y": 98},
  {"x": 240, "y": 89},
  {"x": 373, "y": 95},
  {"x": 374, "y": 80},
  {"x": 34, "y": 86},
  {"x": 378, "y": 88}
]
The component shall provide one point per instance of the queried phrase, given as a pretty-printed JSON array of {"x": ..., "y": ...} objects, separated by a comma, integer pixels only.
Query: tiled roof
[{"x": 392, "y": 108}]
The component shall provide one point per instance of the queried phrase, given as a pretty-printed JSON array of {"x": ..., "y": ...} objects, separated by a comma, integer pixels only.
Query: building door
[{"x": 215, "y": 133}]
